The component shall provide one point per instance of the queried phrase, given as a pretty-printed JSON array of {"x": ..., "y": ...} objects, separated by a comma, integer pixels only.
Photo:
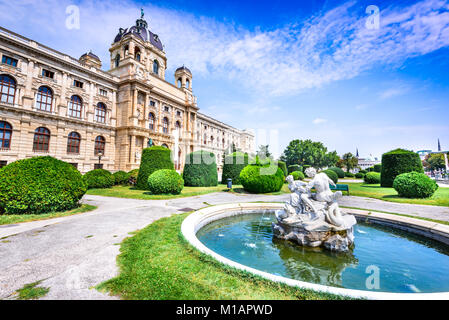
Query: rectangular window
[
  {"x": 166, "y": 109},
  {"x": 48, "y": 74},
  {"x": 103, "y": 92},
  {"x": 98, "y": 166},
  {"x": 3, "y": 163},
  {"x": 10, "y": 61},
  {"x": 77, "y": 84},
  {"x": 152, "y": 103},
  {"x": 178, "y": 113}
]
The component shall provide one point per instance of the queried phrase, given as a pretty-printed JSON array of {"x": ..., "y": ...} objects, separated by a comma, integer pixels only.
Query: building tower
[
  {"x": 439, "y": 145},
  {"x": 183, "y": 77}
]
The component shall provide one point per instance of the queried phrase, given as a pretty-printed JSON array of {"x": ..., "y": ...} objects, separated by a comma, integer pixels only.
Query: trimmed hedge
[
  {"x": 414, "y": 185},
  {"x": 363, "y": 171},
  {"x": 262, "y": 179},
  {"x": 153, "y": 159},
  {"x": 372, "y": 178},
  {"x": 377, "y": 168},
  {"x": 99, "y": 178},
  {"x": 360, "y": 175},
  {"x": 165, "y": 181},
  {"x": 397, "y": 162},
  {"x": 200, "y": 169},
  {"x": 233, "y": 165},
  {"x": 283, "y": 166},
  {"x": 349, "y": 175},
  {"x": 294, "y": 167},
  {"x": 120, "y": 177},
  {"x": 332, "y": 175},
  {"x": 340, "y": 173},
  {"x": 40, "y": 185},
  {"x": 132, "y": 177},
  {"x": 298, "y": 175}
]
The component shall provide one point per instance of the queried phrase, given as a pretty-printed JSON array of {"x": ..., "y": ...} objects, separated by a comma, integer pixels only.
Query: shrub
[
  {"x": 153, "y": 159},
  {"x": 349, "y": 175},
  {"x": 397, "y": 162},
  {"x": 120, "y": 177},
  {"x": 414, "y": 185},
  {"x": 132, "y": 177},
  {"x": 363, "y": 171},
  {"x": 234, "y": 164},
  {"x": 165, "y": 181},
  {"x": 200, "y": 169},
  {"x": 99, "y": 178},
  {"x": 372, "y": 178},
  {"x": 340, "y": 173},
  {"x": 283, "y": 166},
  {"x": 332, "y": 175},
  {"x": 262, "y": 179},
  {"x": 360, "y": 175},
  {"x": 40, "y": 185},
  {"x": 298, "y": 175},
  {"x": 377, "y": 168},
  {"x": 294, "y": 167}
]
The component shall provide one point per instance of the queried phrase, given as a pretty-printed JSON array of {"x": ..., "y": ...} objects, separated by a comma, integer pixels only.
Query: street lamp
[{"x": 100, "y": 154}]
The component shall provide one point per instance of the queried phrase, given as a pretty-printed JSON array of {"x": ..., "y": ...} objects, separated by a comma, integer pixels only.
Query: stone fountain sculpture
[{"x": 315, "y": 219}]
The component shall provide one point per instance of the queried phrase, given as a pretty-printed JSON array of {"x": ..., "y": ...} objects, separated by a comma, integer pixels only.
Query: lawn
[
  {"x": 132, "y": 193},
  {"x": 157, "y": 264},
  {"x": 440, "y": 198},
  {"x": 18, "y": 218}
]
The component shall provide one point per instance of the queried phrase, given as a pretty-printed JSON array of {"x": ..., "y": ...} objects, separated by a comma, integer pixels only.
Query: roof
[{"x": 141, "y": 31}]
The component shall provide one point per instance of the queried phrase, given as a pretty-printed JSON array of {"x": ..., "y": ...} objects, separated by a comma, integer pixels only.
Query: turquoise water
[{"x": 405, "y": 262}]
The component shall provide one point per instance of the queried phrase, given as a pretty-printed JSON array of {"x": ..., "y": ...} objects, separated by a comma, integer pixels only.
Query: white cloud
[
  {"x": 327, "y": 47},
  {"x": 319, "y": 121}
]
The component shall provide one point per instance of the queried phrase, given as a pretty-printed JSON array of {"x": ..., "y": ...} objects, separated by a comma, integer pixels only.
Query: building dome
[
  {"x": 183, "y": 68},
  {"x": 141, "y": 31},
  {"x": 91, "y": 60},
  {"x": 90, "y": 55}
]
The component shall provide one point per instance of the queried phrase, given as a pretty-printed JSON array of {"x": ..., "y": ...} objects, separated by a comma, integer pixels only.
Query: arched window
[
  {"x": 151, "y": 121},
  {"x": 137, "y": 54},
  {"x": 44, "y": 99},
  {"x": 100, "y": 113},
  {"x": 75, "y": 107},
  {"x": 179, "y": 83},
  {"x": 7, "y": 89},
  {"x": 187, "y": 84},
  {"x": 100, "y": 143},
  {"x": 178, "y": 125},
  {"x": 5, "y": 135},
  {"x": 117, "y": 60},
  {"x": 155, "y": 67},
  {"x": 211, "y": 141},
  {"x": 165, "y": 146},
  {"x": 205, "y": 139},
  {"x": 41, "y": 140},
  {"x": 165, "y": 125},
  {"x": 73, "y": 143}
]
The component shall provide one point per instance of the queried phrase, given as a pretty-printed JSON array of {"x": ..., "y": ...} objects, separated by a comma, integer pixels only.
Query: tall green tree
[
  {"x": 308, "y": 152},
  {"x": 350, "y": 161},
  {"x": 264, "y": 152},
  {"x": 434, "y": 161}
]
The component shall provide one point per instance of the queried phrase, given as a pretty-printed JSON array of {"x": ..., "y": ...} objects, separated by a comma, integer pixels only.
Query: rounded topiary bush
[
  {"x": 414, "y": 185},
  {"x": 360, "y": 175},
  {"x": 153, "y": 159},
  {"x": 294, "y": 167},
  {"x": 332, "y": 175},
  {"x": 99, "y": 178},
  {"x": 233, "y": 165},
  {"x": 165, "y": 181},
  {"x": 262, "y": 179},
  {"x": 340, "y": 173},
  {"x": 397, "y": 162},
  {"x": 349, "y": 175},
  {"x": 372, "y": 178},
  {"x": 40, "y": 185},
  {"x": 132, "y": 177},
  {"x": 283, "y": 166},
  {"x": 298, "y": 175},
  {"x": 120, "y": 177},
  {"x": 200, "y": 169}
]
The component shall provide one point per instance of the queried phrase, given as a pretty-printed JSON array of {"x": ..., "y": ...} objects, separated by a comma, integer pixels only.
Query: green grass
[
  {"x": 31, "y": 291},
  {"x": 440, "y": 198},
  {"x": 284, "y": 189},
  {"x": 18, "y": 218},
  {"x": 133, "y": 193},
  {"x": 158, "y": 264}
]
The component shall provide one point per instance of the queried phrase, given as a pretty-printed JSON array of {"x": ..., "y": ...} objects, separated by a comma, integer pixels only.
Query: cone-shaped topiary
[
  {"x": 233, "y": 165},
  {"x": 397, "y": 162},
  {"x": 99, "y": 178},
  {"x": 262, "y": 179},
  {"x": 153, "y": 159},
  {"x": 40, "y": 185},
  {"x": 165, "y": 181},
  {"x": 200, "y": 169}
]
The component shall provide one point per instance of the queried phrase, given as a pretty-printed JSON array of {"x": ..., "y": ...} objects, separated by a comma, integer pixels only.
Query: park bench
[{"x": 340, "y": 187}]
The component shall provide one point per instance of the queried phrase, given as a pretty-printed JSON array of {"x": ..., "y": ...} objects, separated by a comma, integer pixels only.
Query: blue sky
[{"x": 304, "y": 69}]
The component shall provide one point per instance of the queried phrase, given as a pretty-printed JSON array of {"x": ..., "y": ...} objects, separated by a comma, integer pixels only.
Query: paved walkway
[{"x": 73, "y": 254}]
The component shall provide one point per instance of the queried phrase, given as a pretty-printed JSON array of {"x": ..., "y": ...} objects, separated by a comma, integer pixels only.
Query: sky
[{"x": 345, "y": 73}]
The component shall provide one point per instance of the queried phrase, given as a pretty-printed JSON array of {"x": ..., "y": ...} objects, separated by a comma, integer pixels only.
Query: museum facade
[{"x": 53, "y": 104}]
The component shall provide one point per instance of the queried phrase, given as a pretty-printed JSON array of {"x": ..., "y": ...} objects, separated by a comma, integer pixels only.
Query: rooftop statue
[{"x": 314, "y": 219}]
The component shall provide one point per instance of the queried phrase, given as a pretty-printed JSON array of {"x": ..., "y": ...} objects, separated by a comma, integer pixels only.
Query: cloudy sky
[{"x": 322, "y": 70}]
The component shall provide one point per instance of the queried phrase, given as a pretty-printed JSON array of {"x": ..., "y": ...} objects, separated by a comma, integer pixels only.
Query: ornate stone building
[{"x": 51, "y": 103}]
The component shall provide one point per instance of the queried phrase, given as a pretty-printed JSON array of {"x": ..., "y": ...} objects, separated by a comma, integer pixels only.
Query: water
[{"x": 407, "y": 263}]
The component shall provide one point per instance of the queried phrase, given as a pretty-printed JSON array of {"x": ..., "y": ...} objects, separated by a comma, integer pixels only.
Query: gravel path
[{"x": 73, "y": 254}]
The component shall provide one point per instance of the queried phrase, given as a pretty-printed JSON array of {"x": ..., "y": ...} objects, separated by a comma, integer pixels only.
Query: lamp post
[{"x": 100, "y": 154}]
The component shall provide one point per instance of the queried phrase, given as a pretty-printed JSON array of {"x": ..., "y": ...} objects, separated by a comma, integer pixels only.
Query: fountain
[{"x": 314, "y": 219}]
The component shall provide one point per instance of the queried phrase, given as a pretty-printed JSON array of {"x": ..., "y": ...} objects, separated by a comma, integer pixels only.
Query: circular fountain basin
[{"x": 410, "y": 256}]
